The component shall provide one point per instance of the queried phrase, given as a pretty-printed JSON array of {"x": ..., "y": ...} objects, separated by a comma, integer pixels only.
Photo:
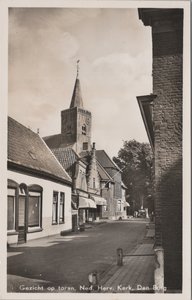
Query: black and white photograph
[{"x": 96, "y": 124}]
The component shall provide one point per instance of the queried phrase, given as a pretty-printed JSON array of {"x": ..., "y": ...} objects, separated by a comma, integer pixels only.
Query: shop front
[
  {"x": 100, "y": 202},
  {"x": 87, "y": 209}
]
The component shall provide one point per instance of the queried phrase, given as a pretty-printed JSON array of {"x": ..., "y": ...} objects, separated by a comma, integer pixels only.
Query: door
[
  {"x": 22, "y": 220},
  {"x": 99, "y": 212}
]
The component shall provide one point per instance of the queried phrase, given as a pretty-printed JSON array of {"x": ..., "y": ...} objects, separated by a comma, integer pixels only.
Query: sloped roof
[
  {"x": 85, "y": 160},
  {"x": 103, "y": 174},
  {"x": 105, "y": 160},
  {"x": 66, "y": 156},
  {"x": 53, "y": 141},
  {"x": 27, "y": 149}
]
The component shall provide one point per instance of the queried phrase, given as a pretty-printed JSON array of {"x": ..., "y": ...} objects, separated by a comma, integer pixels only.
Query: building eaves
[
  {"x": 146, "y": 108},
  {"x": 103, "y": 173},
  {"x": 151, "y": 15}
]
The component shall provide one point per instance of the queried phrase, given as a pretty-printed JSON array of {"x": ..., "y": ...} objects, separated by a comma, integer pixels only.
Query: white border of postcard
[{"x": 4, "y": 5}]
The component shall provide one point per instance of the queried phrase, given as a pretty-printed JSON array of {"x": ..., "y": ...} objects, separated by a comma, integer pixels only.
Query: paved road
[{"x": 66, "y": 261}]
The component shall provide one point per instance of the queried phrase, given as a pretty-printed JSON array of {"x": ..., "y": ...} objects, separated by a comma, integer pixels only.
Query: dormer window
[
  {"x": 84, "y": 129},
  {"x": 32, "y": 155}
]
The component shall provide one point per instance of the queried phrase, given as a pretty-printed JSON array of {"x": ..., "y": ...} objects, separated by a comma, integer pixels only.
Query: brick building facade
[{"x": 162, "y": 115}]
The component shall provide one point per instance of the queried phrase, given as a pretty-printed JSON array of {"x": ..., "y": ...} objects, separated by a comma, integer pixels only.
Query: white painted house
[{"x": 39, "y": 189}]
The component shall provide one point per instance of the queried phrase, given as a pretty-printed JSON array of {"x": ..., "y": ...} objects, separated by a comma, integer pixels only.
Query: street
[{"x": 64, "y": 262}]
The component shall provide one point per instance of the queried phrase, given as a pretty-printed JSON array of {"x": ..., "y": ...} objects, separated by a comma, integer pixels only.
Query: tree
[{"x": 135, "y": 160}]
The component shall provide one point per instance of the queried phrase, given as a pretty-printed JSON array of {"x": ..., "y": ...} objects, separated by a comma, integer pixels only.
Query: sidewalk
[{"x": 136, "y": 274}]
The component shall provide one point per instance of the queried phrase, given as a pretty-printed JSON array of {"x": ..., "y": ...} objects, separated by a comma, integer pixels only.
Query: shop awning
[
  {"x": 86, "y": 203},
  {"x": 126, "y": 204},
  {"x": 99, "y": 200}
]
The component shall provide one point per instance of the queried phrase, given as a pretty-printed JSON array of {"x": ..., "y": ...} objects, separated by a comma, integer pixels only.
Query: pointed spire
[
  {"x": 77, "y": 100},
  {"x": 78, "y": 68}
]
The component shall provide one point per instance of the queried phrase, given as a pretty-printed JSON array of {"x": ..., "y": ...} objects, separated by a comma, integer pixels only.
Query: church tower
[{"x": 76, "y": 121}]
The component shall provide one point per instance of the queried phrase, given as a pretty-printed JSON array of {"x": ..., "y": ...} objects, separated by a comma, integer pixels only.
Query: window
[
  {"x": 62, "y": 208},
  {"x": 11, "y": 209},
  {"x": 119, "y": 205},
  {"x": 34, "y": 209},
  {"x": 68, "y": 129},
  {"x": 84, "y": 129},
  {"x": 35, "y": 198},
  {"x": 12, "y": 191},
  {"x": 85, "y": 146},
  {"x": 55, "y": 208},
  {"x": 108, "y": 185},
  {"x": 22, "y": 203}
]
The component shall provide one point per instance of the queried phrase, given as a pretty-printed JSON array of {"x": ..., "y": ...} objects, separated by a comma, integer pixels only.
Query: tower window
[
  {"x": 84, "y": 129},
  {"x": 68, "y": 129},
  {"x": 85, "y": 146}
]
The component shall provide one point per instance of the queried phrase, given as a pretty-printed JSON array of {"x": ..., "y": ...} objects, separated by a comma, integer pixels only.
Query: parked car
[{"x": 141, "y": 213}]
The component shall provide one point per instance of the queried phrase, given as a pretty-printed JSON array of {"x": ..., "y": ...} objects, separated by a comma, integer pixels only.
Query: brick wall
[
  {"x": 167, "y": 85},
  {"x": 83, "y": 118},
  {"x": 69, "y": 125},
  {"x": 72, "y": 121}
]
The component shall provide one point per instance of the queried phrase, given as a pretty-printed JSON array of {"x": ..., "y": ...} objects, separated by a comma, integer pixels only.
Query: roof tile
[{"x": 66, "y": 156}]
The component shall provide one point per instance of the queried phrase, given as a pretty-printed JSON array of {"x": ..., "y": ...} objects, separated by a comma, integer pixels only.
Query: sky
[{"x": 115, "y": 53}]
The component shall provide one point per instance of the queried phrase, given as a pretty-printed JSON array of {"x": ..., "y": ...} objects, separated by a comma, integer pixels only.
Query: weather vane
[{"x": 78, "y": 67}]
